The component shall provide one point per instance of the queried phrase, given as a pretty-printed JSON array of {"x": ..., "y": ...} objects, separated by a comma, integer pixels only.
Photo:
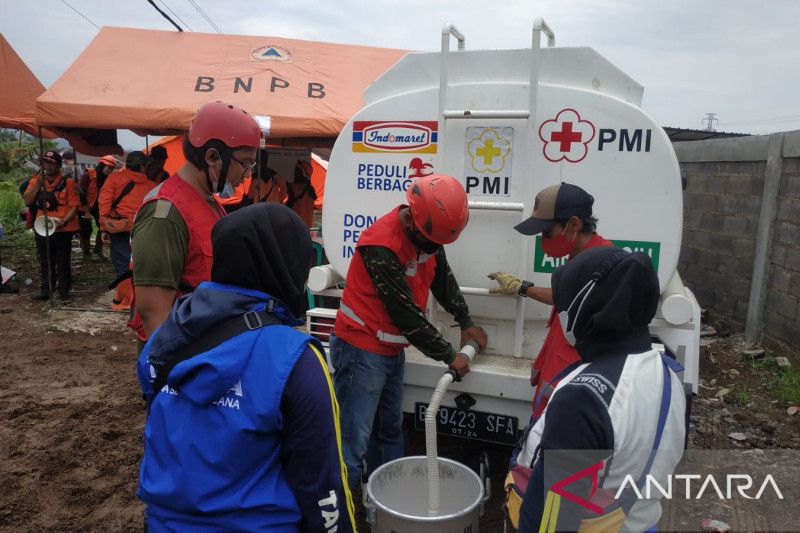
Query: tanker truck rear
[{"x": 507, "y": 123}]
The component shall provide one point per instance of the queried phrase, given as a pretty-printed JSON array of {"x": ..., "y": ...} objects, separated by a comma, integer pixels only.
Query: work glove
[{"x": 508, "y": 284}]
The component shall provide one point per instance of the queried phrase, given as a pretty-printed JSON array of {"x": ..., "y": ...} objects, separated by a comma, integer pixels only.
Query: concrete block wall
[
  {"x": 722, "y": 212},
  {"x": 721, "y": 206},
  {"x": 783, "y": 294}
]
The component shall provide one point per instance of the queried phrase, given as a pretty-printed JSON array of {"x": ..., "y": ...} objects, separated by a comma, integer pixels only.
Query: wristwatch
[{"x": 523, "y": 288}]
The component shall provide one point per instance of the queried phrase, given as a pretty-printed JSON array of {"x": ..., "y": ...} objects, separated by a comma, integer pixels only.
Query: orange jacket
[
  {"x": 273, "y": 190},
  {"x": 114, "y": 185},
  {"x": 67, "y": 198},
  {"x": 89, "y": 183}
]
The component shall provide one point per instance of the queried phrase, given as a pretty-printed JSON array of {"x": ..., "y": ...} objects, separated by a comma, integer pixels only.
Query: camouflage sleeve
[
  {"x": 445, "y": 290},
  {"x": 389, "y": 279}
]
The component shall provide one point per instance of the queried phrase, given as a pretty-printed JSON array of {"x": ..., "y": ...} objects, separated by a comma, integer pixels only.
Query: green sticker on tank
[{"x": 545, "y": 264}]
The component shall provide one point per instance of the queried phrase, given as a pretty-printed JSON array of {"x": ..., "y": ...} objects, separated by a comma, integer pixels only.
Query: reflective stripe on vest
[{"x": 381, "y": 335}]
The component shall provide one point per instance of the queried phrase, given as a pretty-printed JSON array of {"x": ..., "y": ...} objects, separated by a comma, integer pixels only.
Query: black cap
[
  {"x": 159, "y": 153},
  {"x": 135, "y": 159},
  {"x": 52, "y": 156},
  {"x": 557, "y": 202}
]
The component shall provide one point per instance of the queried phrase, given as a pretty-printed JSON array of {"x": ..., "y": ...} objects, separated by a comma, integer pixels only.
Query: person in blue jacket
[{"x": 243, "y": 431}]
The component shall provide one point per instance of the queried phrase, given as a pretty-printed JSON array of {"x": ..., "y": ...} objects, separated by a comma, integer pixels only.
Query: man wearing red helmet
[
  {"x": 171, "y": 237},
  {"x": 398, "y": 261}
]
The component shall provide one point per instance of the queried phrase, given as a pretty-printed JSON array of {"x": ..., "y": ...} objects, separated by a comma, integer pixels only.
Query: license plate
[{"x": 470, "y": 424}]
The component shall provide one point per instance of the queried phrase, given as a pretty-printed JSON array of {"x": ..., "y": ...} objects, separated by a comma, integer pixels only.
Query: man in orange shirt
[
  {"x": 300, "y": 194},
  {"x": 119, "y": 200},
  {"x": 58, "y": 196}
]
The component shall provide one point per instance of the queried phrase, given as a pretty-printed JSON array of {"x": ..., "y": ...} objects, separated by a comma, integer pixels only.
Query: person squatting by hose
[
  {"x": 243, "y": 432},
  {"x": 618, "y": 412}
]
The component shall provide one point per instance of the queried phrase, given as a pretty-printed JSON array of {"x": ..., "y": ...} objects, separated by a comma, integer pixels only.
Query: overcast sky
[{"x": 739, "y": 59}]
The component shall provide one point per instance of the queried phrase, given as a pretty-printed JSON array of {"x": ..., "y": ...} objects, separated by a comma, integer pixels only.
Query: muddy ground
[{"x": 70, "y": 436}]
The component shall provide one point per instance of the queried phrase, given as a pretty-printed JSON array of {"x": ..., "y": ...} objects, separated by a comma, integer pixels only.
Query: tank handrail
[
  {"x": 449, "y": 29},
  {"x": 539, "y": 26}
]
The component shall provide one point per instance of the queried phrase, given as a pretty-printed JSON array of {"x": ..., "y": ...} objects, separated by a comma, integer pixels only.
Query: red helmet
[
  {"x": 230, "y": 124},
  {"x": 438, "y": 207}
]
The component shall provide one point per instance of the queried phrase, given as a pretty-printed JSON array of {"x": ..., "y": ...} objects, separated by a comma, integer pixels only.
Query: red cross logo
[{"x": 566, "y": 137}]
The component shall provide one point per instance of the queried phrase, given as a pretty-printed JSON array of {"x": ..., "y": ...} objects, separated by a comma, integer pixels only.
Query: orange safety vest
[{"x": 362, "y": 320}]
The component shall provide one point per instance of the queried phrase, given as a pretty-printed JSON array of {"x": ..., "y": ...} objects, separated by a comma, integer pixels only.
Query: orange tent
[
  {"x": 152, "y": 82},
  {"x": 19, "y": 89}
]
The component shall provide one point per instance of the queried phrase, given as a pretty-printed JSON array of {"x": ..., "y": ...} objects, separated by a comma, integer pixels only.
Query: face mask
[
  {"x": 568, "y": 326},
  {"x": 558, "y": 246},
  {"x": 424, "y": 245},
  {"x": 227, "y": 191}
]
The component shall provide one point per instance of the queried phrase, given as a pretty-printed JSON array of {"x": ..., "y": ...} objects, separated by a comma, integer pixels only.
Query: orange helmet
[
  {"x": 439, "y": 207},
  {"x": 230, "y": 124},
  {"x": 108, "y": 160}
]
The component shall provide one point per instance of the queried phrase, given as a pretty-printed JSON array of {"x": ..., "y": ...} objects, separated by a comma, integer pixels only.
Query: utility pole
[{"x": 711, "y": 118}]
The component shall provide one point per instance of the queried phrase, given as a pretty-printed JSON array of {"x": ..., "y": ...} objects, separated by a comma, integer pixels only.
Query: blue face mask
[
  {"x": 568, "y": 326},
  {"x": 227, "y": 191}
]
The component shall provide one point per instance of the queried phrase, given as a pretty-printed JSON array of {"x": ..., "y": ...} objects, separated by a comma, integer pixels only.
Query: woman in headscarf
[
  {"x": 243, "y": 430},
  {"x": 615, "y": 417}
]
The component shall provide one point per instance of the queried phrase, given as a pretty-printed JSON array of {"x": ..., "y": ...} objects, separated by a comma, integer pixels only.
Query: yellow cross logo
[
  {"x": 488, "y": 149},
  {"x": 488, "y": 152}
]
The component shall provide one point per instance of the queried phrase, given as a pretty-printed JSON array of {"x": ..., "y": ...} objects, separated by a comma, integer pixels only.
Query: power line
[
  {"x": 176, "y": 16},
  {"x": 711, "y": 118},
  {"x": 785, "y": 118},
  {"x": 203, "y": 14},
  {"x": 81, "y": 14},
  {"x": 152, "y": 3}
]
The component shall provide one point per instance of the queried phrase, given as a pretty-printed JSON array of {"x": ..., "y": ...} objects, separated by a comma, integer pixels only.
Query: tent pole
[{"x": 46, "y": 218}]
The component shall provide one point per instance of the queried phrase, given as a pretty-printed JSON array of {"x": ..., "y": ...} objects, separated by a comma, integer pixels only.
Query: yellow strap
[
  {"x": 550, "y": 513},
  {"x": 351, "y": 508}
]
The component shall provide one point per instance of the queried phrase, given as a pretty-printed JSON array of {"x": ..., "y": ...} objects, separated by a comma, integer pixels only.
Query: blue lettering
[{"x": 358, "y": 221}]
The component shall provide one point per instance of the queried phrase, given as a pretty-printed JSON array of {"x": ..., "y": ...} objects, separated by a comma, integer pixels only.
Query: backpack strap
[
  {"x": 250, "y": 321},
  {"x": 128, "y": 188},
  {"x": 628, "y": 497}
]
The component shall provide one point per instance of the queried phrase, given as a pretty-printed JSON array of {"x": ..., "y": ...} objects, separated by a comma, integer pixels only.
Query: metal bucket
[{"x": 397, "y": 498}]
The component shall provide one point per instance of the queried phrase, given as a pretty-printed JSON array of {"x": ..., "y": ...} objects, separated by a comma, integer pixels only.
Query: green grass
[
  {"x": 740, "y": 395},
  {"x": 10, "y": 205},
  {"x": 788, "y": 386}
]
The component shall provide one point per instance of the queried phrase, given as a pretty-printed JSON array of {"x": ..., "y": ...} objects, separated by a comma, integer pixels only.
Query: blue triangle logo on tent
[{"x": 271, "y": 52}]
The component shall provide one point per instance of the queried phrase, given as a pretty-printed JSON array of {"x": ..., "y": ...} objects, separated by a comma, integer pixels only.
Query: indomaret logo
[{"x": 418, "y": 137}]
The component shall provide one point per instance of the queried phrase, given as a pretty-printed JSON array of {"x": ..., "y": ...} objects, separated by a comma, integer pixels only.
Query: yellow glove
[{"x": 508, "y": 284}]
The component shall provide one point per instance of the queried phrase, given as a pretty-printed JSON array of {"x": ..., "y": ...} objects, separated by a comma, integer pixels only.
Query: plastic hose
[{"x": 431, "y": 445}]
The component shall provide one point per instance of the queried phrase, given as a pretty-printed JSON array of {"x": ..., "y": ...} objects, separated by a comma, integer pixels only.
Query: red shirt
[{"x": 556, "y": 353}]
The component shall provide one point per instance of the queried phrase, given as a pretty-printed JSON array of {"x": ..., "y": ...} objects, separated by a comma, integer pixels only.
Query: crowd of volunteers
[{"x": 247, "y": 430}]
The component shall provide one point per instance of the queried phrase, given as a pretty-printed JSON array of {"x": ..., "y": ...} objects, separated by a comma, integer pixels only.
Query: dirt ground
[{"x": 72, "y": 417}]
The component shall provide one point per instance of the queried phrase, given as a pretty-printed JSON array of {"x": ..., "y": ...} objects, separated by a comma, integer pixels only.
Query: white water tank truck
[{"x": 507, "y": 123}]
